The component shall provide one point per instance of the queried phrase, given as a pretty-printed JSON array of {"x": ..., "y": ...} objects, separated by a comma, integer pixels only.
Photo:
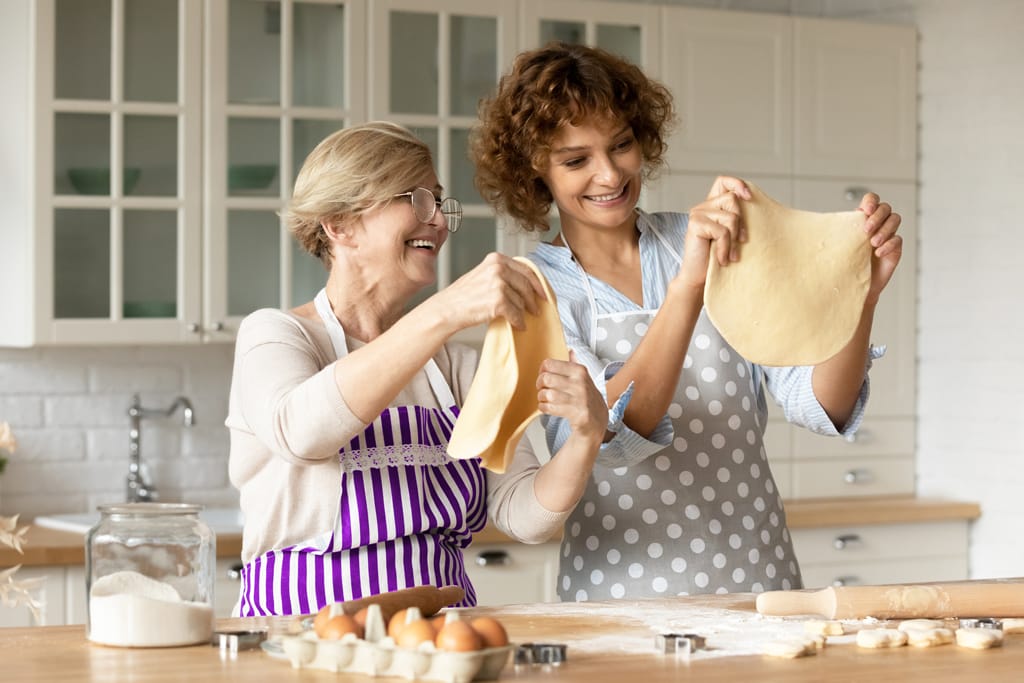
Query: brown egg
[
  {"x": 360, "y": 617},
  {"x": 438, "y": 622},
  {"x": 321, "y": 619},
  {"x": 491, "y": 631},
  {"x": 338, "y": 626},
  {"x": 458, "y": 636},
  {"x": 396, "y": 624},
  {"x": 416, "y": 632}
]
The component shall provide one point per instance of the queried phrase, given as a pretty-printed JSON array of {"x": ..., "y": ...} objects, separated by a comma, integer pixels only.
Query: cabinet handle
[
  {"x": 235, "y": 571},
  {"x": 840, "y": 581},
  {"x": 493, "y": 558},
  {"x": 857, "y": 476},
  {"x": 841, "y": 542},
  {"x": 853, "y": 194}
]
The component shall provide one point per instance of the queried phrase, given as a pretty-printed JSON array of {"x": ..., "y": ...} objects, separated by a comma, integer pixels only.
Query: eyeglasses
[{"x": 425, "y": 203}]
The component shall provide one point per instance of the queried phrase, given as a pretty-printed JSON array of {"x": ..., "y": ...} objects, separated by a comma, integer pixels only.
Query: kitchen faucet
[{"x": 139, "y": 488}]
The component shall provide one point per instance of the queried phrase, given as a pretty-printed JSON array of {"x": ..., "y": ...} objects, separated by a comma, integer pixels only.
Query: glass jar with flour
[{"x": 149, "y": 576}]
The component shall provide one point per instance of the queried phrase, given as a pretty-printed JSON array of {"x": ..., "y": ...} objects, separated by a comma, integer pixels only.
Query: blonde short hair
[{"x": 350, "y": 172}]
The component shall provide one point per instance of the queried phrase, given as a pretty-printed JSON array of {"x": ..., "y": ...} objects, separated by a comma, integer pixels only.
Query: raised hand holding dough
[
  {"x": 796, "y": 294},
  {"x": 502, "y": 400}
]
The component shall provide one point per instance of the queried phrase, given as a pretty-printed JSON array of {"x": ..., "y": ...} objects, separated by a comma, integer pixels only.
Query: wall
[
  {"x": 68, "y": 406},
  {"x": 68, "y": 409}
]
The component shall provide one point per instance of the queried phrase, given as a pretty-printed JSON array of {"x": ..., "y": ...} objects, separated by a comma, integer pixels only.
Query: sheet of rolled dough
[
  {"x": 502, "y": 401},
  {"x": 796, "y": 294}
]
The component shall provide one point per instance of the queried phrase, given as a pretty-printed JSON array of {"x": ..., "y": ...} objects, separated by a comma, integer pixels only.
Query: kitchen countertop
[
  {"x": 606, "y": 641},
  {"x": 51, "y": 547}
]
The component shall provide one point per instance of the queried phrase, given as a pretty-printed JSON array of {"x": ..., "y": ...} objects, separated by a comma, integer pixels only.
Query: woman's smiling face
[{"x": 594, "y": 174}]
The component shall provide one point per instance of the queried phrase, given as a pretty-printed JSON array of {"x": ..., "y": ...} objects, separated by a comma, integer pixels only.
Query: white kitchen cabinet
[
  {"x": 513, "y": 573},
  {"x": 431, "y": 62},
  {"x": 855, "y": 90},
  {"x": 883, "y": 553},
  {"x": 226, "y": 586},
  {"x": 731, "y": 74},
  {"x": 145, "y": 211}
]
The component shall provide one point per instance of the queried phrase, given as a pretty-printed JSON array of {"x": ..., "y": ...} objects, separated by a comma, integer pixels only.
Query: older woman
[{"x": 340, "y": 409}]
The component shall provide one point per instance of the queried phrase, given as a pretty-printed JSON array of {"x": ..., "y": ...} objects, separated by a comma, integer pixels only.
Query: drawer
[
  {"x": 865, "y": 573},
  {"x": 854, "y": 476},
  {"x": 513, "y": 573},
  {"x": 876, "y": 437},
  {"x": 842, "y": 545}
]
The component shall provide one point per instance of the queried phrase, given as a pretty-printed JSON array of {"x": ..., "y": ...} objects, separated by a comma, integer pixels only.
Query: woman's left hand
[
  {"x": 565, "y": 390},
  {"x": 881, "y": 226}
]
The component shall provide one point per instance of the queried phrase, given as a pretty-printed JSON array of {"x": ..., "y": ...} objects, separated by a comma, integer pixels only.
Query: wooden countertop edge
[
  {"x": 809, "y": 514},
  {"x": 48, "y": 547}
]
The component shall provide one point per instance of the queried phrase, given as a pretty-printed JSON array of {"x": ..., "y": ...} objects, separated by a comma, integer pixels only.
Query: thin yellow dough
[
  {"x": 796, "y": 294},
  {"x": 502, "y": 400}
]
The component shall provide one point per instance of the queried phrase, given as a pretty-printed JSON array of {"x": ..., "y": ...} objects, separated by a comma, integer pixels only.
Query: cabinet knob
[
  {"x": 857, "y": 476},
  {"x": 235, "y": 571},
  {"x": 853, "y": 194},
  {"x": 217, "y": 327},
  {"x": 840, "y": 581},
  {"x": 841, "y": 542},
  {"x": 193, "y": 327},
  {"x": 493, "y": 558}
]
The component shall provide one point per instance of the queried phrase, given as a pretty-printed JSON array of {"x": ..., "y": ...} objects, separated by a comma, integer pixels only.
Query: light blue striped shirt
[{"x": 789, "y": 386}]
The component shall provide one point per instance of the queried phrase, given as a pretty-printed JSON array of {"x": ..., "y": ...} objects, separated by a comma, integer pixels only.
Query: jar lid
[{"x": 150, "y": 509}]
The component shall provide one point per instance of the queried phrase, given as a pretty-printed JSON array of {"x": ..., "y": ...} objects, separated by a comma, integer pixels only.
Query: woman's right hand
[
  {"x": 715, "y": 230},
  {"x": 499, "y": 287}
]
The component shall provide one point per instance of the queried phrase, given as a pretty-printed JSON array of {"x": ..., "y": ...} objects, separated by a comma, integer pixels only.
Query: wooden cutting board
[{"x": 997, "y": 598}]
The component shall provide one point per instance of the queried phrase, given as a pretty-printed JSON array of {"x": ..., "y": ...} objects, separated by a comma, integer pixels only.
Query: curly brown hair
[{"x": 545, "y": 89}]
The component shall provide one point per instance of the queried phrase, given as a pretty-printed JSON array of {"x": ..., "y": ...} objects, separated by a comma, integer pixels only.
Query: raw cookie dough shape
[
  {"x": 979, "y": 638},
  {"x": 823, "y": 628},
  {"x": 1013, "y": 625},
  {"x": 929, "y": 637},
  {"x": 920, "y": 625},
  {"x": 796, "y": 295},
  {"x": 881, "y": 637},
  {"x": 502, "y": 400},
  {"x": 790, "y": 648}
]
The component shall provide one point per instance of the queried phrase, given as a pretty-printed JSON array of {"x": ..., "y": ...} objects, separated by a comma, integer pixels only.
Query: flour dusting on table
[{"x": 727, "y": 632}]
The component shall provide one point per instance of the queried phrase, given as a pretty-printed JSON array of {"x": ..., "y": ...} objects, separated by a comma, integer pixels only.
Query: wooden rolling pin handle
[{"x": 791, "y": 603}]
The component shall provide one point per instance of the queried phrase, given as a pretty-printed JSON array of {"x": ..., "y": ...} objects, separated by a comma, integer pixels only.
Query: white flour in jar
[{"x": 129, "y": 609}]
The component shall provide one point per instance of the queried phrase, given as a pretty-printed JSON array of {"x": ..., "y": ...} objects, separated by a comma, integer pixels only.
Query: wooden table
[{"x": 62, "y": 653}]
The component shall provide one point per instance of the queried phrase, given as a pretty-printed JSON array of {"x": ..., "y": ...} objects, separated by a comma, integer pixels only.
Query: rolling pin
[
  {"x": 998, "y": 598},
  {"x": 429, "y": 599}
]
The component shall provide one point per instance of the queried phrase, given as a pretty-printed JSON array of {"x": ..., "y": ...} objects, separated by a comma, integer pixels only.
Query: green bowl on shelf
[
  {"x": 251, "y": 176},
  {"x": 92, "y": 180},
  {"x": 150, "y": 309}
]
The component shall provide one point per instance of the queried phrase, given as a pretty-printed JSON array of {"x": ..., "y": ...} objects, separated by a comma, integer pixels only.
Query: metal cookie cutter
[
  {"x": 230, "y": 642},
  {"x": 679, "y": 643},
  {"x": 982, "y": 623},
  {"x": 541, "y": 653}
]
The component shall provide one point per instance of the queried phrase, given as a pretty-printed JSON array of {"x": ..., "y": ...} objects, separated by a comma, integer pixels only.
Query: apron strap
[{"x": 442, "y": 392}]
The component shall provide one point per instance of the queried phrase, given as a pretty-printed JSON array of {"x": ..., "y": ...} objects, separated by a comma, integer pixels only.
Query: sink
[{"x": 225, "y": 521}]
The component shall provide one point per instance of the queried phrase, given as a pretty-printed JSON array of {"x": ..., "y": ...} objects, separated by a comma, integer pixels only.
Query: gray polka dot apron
[{"x": 702, "y": 515}]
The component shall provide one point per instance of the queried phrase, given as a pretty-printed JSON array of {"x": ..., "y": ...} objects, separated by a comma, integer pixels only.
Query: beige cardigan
[{"x": 286, "y": 418}]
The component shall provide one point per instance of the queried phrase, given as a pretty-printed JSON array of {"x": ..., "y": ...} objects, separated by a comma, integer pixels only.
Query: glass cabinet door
[
  {"x": 125, "y": 195},
  {"x": 283, "y": 75},
  {"x": 432, "y": 62}
]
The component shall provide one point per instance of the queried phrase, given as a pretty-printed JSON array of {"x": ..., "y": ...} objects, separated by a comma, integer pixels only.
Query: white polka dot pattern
[{"x": 701, "y": 516}]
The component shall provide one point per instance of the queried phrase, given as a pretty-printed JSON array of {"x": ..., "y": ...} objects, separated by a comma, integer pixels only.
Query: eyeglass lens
[{"x": 424, "y": 204}]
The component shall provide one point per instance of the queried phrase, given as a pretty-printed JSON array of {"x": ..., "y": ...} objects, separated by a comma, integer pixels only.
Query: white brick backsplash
[
  {"x": 69, "y": 411},
  {"x": 106, "y": 379}
]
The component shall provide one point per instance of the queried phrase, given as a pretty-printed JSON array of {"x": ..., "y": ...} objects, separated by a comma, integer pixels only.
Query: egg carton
[{"x": 376, "y": 654}]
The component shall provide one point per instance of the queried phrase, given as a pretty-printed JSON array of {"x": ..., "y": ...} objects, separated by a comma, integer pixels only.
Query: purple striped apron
[{"x": 405, "y": 512}]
